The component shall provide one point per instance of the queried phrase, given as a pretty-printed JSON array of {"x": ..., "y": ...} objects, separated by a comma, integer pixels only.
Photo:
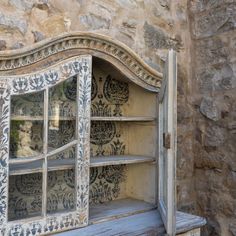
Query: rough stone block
[
  {"x": 232, "y": 229},
  {"x": 215, "y": 136},
  {"x": 218, "y": 20},
  {"x": 218, "y": 78},
  {"x": 11, "y": 21},
  {"x": 94, "y": 22},
  {"x": 211, "y": 51},
  {"x": 38, "y": 36},
  {"x": 3, "y": 45},
  {"x": 155, "y": 38},
  {"x": 202, "y": 5},
  {"x": 209, "y": 109}
]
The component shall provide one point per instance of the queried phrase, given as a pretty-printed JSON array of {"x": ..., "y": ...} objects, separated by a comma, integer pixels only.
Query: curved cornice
[{"x": 90, "y": 43}]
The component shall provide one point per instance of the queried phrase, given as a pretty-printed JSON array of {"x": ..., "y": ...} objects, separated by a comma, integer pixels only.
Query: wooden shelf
[
  {"x": 117, "y": 209},
  {"x": 36, "y": 166},
  {"x": 62, "y": 164},
  {"x": 122, "y": 118},
  {"x": 186, "y": 222},
  {"x": 13, "y": 117},
  {"x": 93, "y": 118},
  {"x": 39, "y": 118},
  {"x": 24, "y": 160},
  {"x": 146, "y": 223},
  {"x": 118, "y": 160}
]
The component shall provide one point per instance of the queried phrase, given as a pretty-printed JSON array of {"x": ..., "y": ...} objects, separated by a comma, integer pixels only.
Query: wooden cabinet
[{"x": 88, "y": 136}]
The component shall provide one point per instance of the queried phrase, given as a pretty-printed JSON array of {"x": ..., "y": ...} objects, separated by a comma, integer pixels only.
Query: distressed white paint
[{"x": 167, "y": 157}]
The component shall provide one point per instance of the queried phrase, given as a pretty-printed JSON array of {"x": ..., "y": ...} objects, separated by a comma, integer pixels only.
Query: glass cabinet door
[
  {"x": 26, "y": 153},
  {"x": 48, "y": 159},
  {"x": 29, "y": 139}
]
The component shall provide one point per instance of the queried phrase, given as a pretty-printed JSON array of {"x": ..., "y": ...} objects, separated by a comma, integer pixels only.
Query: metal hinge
[{"x": 166, "y": 140}]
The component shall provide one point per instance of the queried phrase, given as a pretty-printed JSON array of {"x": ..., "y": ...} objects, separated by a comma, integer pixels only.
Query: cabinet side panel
[{"x": 4, "y": 149}]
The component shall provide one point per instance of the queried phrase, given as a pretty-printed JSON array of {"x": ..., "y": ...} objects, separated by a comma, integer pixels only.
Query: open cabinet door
[{"x": 168, "y": 145}]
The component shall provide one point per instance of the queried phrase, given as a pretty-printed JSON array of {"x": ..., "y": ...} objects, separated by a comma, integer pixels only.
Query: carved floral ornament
[{"x": 88, "y": 43}]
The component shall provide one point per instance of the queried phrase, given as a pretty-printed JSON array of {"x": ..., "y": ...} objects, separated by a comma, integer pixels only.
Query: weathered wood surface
[
  {"x": 36, "y": 166},
  {"x": 21, "y": 160},
  {"x": 123, "y": 118},
  {"x": 186, "y": 222},
  {"x": 147, "y": 223},
  {"x": 167, "y": 153},
  {"x": 63, "y": 164},
  {"x": 14, "y": 117},
  {"x": 194, "y": 232},
  {"x": 117, "y": 209},
  {"x": 118, "y": 160},
  {"x": 77, "y": 43}
]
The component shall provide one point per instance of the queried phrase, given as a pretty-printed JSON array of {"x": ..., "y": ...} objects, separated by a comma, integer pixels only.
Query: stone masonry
[
  {"x": 213, "y": 34},
  {"x": 203, "y": 34}
]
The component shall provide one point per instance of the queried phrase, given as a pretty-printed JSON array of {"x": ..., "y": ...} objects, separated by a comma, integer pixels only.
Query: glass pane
[
  {"x": 26, "y": 134},
  {"x": 62, "y": 113},
  {"x": 25, "y": 196},
  {"x": 61, "y": 191}
]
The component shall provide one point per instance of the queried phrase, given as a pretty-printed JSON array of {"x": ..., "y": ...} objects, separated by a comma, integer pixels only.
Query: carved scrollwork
[{"x": 92, "y": 44}]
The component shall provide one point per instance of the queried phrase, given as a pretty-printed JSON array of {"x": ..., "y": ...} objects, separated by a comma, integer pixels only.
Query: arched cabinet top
[
  {"x": 48, "y": 77},
  {"x": 46, "y": 53}
]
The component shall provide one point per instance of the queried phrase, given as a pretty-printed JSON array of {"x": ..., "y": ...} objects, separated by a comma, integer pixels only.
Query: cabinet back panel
[
  {"x": 114, "y": 95},
  {"x": 141, "y": 182},
  {"x": 107, "y": 183}
]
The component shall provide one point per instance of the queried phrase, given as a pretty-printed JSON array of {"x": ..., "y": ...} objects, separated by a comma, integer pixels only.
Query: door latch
[{"x": 166, "y": 140}]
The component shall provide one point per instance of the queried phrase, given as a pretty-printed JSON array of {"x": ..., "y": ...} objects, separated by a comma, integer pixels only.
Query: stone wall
[
  {"x": 213, "y": 25},
  {"x": 203, "y": 34},
  {"x": 149, "y": 27}
]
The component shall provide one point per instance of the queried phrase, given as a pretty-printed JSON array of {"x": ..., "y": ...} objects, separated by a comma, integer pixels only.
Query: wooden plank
[
  {"x": 26, "y": 168},
  {"x": 147, "y": 223},
  {"x": 140, "y": 224},
  {"x": 31, "y": 118},
  {"x": 117, "y": 209},
  {"x": 118, "y": 160},
  {"x": 36, "y": 118},
  {"x": 167, "y": 154},
  {"x": 25, "y": 159},
  {"x": 62, "y": 164},
  {"x": 36, "y": 166},
  {"x": 123, "y": 118},
  {"x": 186, "y": 222},
  {"x": 194, "y": 232},
  {"x": 61, "y": 118}
]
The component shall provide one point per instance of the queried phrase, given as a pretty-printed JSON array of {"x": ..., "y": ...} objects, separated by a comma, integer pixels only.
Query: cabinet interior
[
  {"x": 123, "y": 148},
  {"x": 129, "y": 131}
]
